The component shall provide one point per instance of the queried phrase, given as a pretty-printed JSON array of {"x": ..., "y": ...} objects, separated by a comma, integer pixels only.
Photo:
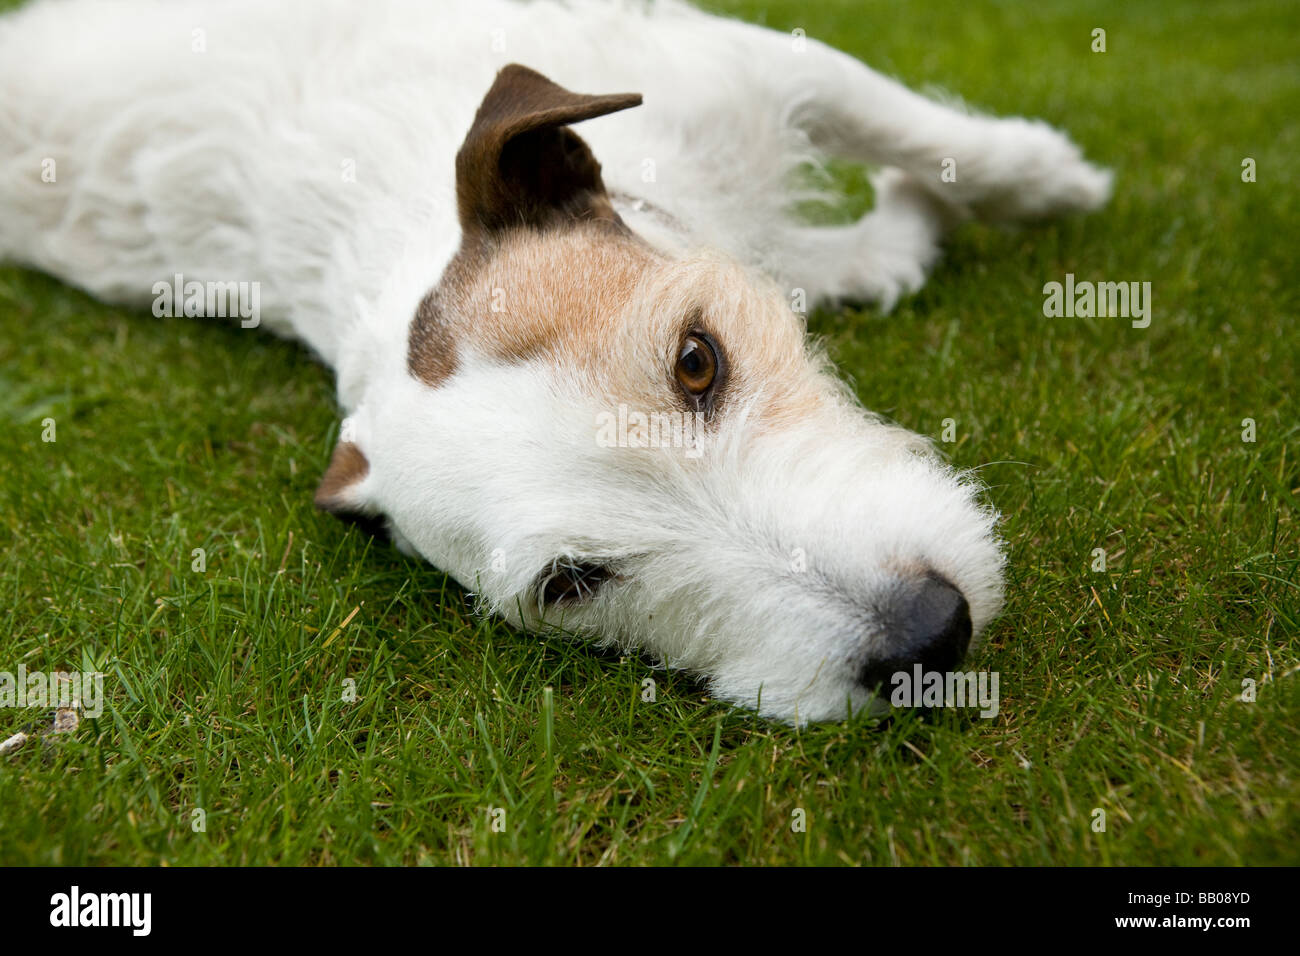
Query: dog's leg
[
  {"x": 941, "y": 164},
  {"x": 883, "y": 256},
  {"x": 999, "y": 168}
]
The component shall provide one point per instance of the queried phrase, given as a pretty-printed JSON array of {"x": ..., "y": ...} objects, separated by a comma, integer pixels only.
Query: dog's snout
[{"x": 933, "y": 630}]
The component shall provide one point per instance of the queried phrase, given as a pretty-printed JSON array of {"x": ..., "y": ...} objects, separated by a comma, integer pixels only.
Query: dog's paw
[
  {"x": 1033, "y": 171},
  {"x": 898, "y": 241},
  {"x": 916, "y": 213},
  {"x": 886, "y": 278}
]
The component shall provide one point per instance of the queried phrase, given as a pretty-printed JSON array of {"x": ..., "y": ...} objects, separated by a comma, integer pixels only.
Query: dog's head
[{"x": 595, "y": 436}]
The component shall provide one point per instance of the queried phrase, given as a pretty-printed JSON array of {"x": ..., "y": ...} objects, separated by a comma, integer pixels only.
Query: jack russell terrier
[{"x": 582, "y": 388}]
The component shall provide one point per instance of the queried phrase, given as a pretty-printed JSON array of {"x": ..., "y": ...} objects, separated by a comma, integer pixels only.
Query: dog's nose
[{"x": 933, "y": 630}]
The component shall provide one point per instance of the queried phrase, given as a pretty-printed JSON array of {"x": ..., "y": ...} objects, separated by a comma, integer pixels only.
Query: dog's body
[{"x": 484, "y": 313}]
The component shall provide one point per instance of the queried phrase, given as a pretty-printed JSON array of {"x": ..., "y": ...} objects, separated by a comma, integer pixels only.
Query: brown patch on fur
[
  {"x": 556, "y": 290},
  {"x": 599, "y": 303},
  {"x": 347, "y": 467},
  {"x": 431, "y": 354},
  {"x": 523, "y": 295}
]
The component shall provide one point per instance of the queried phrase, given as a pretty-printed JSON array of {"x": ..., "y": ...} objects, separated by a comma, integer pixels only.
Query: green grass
[{"x": 1119, "y": 689}]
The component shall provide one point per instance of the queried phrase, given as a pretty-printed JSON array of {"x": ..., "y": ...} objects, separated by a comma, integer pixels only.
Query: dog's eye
[{"x": 697, "y": 366}]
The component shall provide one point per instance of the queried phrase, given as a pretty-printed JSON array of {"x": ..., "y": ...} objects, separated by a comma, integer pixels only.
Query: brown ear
[
  {"x": 340, "y": 490},
  {"x": 521, "y": 166},
  {"x": 337, "y": 491}
]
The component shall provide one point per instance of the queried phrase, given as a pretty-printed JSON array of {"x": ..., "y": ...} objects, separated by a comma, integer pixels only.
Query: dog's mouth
[{"x": 566, "y": 582}]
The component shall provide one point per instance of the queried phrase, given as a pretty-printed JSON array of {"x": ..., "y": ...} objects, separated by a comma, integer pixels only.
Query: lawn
[{"x": 229, "y": 735}]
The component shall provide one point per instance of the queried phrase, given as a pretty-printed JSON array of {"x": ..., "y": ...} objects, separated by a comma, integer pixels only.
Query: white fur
[{"x": 227, "y": 164}]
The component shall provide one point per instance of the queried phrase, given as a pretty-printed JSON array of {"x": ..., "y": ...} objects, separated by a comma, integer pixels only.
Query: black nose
[{"x": 933, "y": 629}]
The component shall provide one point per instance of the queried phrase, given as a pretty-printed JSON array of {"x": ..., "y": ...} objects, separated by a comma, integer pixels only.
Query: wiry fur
[{"x": 226, "y": 164}]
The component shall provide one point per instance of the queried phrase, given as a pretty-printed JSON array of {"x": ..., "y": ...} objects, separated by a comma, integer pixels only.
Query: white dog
[{"x": 583, "y": 389}]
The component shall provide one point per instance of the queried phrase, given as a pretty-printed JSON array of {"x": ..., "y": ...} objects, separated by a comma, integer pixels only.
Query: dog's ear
[
  {"x": 521, "y": 166},
  {"x": 341, "y": 489}
]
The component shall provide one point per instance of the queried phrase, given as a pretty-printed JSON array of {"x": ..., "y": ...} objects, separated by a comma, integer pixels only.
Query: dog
[{"x": 573, "y": 367}]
